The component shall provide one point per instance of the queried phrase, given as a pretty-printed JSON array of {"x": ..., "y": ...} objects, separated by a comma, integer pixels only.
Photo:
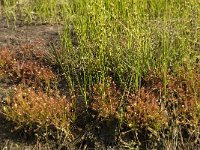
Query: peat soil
[{"x": 13, "y": 37}]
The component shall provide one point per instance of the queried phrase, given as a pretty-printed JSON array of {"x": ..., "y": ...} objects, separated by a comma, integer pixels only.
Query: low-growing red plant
[
  {"x": 25, "y": 66},
  {"x": 106, "y": 99},
  {"x": 143, "y": 110},
  {"x": 31, "y": 107}
]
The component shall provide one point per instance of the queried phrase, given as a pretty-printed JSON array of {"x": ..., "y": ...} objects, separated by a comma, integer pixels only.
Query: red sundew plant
[
  {"x": 144, "y": 110},
  {"x": 183, "y": 99},
  {"x": 36, "y": 104},
  {"x": 25, "y": 66},
  {"x": 31, "y": 70},
  {"x": 29, "y": 107},
  {"x": 6, "y": 57},
  {"x": 106, "y": 99},
  {"x": 33, "y": 51}
]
